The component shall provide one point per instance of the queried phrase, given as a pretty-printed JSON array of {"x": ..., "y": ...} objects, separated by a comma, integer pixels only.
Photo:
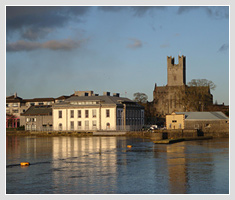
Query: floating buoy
[
  {"x": 24, "y": 163},
  {"x": 129, "y": 146}
]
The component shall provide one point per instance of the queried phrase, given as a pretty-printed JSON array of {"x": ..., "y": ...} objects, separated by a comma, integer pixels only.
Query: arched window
[
  {"x": 108, "y": 126},
  {"x": 60, "y": 127}
]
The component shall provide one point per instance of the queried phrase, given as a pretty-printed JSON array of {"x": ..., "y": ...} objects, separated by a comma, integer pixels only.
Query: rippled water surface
[{"x": 104, "y": 165}]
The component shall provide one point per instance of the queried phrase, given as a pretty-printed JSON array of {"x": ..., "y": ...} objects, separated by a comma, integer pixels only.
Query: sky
[{"x": 56, "y": 50}]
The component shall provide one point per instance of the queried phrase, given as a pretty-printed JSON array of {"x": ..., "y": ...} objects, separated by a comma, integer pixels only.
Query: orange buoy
[
  {"x": 129, "y": 146},
  {"x": 24, "y": 163}
]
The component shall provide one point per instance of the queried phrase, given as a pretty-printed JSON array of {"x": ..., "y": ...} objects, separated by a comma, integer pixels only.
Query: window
[
  {"x": 108, "y": 126},
  {"x": 86, "y": 113},
  {"x": 28, "y": 127},
  {"x": 107, "y": 113},
  {"x": 15, "y": 111},
  {"x": 94, "y": 113},
  {"x": 79, "y": 125},
  {"x": 7, "y": 105},
  {"x": 93, "y": 124},
  {"x": 71, "y": 113},
  {"x": 79, "y": 113},
  {"x": 60, "y": 113},
  {"x": 86, "y": 125},
  {"x": 33, "y": 120},
  {"x": 28, "y": 119},
  {"x": 33, "y": 127},
  {"x": 72, "y": 125},
  {"x": 40, "y": 103},
  {"x": 15, "y": 105},
  {"x": 60, "y": 127},
  {"x": 174, "y": 121},
  {"x": 32, "y": 104}
]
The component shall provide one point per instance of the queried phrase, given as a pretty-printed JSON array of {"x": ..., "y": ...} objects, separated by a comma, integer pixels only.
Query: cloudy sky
[{"x": 53, "y": 51}]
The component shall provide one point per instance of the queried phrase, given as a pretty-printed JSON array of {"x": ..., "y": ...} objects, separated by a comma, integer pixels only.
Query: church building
[{"x": 176, "y": 96}]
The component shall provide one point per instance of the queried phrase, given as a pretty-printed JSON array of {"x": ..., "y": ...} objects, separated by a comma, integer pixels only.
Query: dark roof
[
  {"x": 107, "y": 100},
  {"x": 62, "y": 97},
  {"x": 203, "y": 115},
  {"x": 38, "y": 110},
  {"x": 12, "y": 99},
  {"x": 39, "y": 99}
]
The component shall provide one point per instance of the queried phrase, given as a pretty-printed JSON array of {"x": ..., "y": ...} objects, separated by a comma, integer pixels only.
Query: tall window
[
  {"x": 79, "y": 113},
  {"x": 72, "y": 125},
  {"x": 60, "y": 113},
  {"x": 60, "y": 127},
  {"x": 93, "y": 124},
  {"x": 33, "y": 127},
  {"x": 87, "y": 125},
  {"x": 71, "y": 113},
  {"x": 94, "y": 113},
  {"x": 86, "y": 113},
  {"x": 107, "y": 113},
  {"x": 108, "y": 126},
  {"x": 79, "y": 125}
]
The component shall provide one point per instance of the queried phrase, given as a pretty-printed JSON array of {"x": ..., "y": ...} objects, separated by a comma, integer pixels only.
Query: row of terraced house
[{"x": 81, "y": 111}]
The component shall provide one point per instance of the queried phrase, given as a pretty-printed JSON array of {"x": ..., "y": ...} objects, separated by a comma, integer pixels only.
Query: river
[{"x": 105, "y": 165}]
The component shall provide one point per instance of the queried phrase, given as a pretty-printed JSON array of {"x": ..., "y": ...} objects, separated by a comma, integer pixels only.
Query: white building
[{"x": 91, "y": 113}]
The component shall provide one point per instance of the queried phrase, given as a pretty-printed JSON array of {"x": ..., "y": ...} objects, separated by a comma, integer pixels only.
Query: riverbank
[{"x": 155, "y": 135}]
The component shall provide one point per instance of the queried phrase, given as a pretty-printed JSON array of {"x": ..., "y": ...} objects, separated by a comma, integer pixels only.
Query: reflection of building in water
[
  {"x": 84, "y": 162},
  {"x": 177, "y": 169},
  {"x": 191, "y": 167}
]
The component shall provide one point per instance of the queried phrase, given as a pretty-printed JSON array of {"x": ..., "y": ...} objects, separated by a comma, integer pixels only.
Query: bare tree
[
  {"x": 140, "y": 97},
  {"x": 202, "y": 83}
]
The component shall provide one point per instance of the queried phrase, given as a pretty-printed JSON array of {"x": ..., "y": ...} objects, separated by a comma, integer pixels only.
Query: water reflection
[{"x": 104, "y": 165}]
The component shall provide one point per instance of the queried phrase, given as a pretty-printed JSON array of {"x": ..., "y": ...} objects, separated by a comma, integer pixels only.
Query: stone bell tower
[{"x": 176, "y": 72}]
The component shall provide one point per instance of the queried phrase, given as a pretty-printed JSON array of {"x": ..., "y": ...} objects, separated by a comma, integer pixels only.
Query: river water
[{"x": 105, "y": 165}]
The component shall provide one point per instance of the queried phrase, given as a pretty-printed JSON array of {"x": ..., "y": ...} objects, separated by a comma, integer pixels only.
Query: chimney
[
  {"x": 106, "y": 93},
  {"x": 116, "y": 94},
  {"x": 15, "y": 95}
]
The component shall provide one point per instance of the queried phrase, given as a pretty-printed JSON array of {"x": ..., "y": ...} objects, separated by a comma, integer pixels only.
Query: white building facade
[{"x": 93, "y": 113}]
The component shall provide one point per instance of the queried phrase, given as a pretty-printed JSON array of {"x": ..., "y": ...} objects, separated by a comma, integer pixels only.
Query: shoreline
[{"x": 157, "y": 135}]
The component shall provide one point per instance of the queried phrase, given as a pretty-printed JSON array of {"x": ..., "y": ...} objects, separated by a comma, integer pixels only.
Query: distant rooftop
[
  {"x": 38, "y": 110},
  {"x": 203, "y": 115}
]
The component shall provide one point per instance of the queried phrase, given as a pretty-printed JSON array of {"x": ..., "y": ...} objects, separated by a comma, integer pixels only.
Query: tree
[
  {"x": 202, "y": 83},
  {"x": 140, "y": 97}
]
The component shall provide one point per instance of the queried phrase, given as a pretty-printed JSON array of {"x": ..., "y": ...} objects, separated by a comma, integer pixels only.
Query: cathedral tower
[{"x": 176, "y": 72}]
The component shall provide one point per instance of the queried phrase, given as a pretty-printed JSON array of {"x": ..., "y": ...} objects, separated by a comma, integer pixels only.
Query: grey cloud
[
  {"x": 215, "y": 12},
  {"x": 142, "y": 10},
  {"x": 223, "y": 48},
  {"x": 137, "y": 10},
  {"x": 33, "y": 34},
  {"x": 135, "y": 44},
  {"x": 22, "y": 45},
  {"x": 112, "y": 8},
  {"x": 18, "y": 17}
]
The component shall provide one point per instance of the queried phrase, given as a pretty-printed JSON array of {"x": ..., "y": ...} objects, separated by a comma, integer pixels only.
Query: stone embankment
[{"x": 154, "y": 135}]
